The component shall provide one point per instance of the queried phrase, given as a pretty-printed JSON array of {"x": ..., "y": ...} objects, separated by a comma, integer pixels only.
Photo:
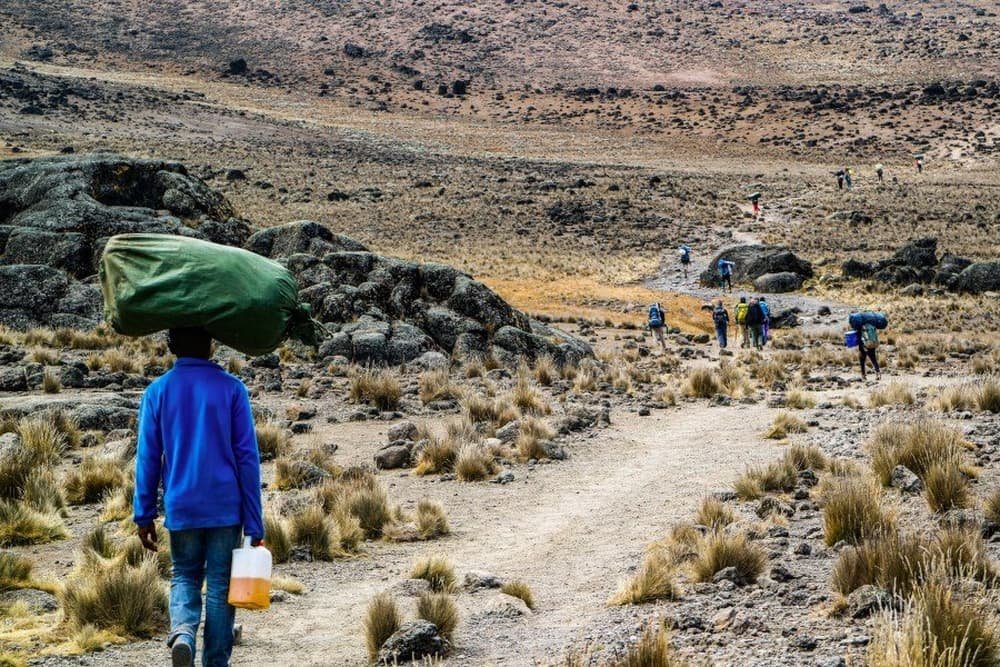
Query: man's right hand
[{"x": 147, "y": 535}]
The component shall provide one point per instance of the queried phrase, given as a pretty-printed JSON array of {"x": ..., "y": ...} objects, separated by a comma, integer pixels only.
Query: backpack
[
  {"x": 685, "y": 253},
  {"x": 720, "y": 317},
  {"x": 765, "y": 309},
  {"x": 870, "y": 337},
  {"x": 655, "y": 316},
  {"x": 741, "y": 312}
]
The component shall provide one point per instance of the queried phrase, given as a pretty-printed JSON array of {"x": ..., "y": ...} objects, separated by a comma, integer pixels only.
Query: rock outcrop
[
  {"x": 917, "y": 263},
  {"x": 753, "y": 261},
  {"x": 56, "y": 214}
]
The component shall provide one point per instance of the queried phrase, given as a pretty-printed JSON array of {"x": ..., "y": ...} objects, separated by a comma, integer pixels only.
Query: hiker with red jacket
[{"x": 197, "y": 438}]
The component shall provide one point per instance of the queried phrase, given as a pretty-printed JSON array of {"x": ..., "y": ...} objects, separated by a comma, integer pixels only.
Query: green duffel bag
[{"x": 152, "y": 282}]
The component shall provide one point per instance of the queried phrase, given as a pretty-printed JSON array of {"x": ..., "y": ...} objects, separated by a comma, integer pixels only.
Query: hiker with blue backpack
[
  {"x": 864, "y": 334},
  {"x": 720, "y": 317},
  {"x": 725, "y": 274},
  {"x": 766, "y": 325},
  {"x": 657, "y": 321},
  {"x": 685, "y": 253}
]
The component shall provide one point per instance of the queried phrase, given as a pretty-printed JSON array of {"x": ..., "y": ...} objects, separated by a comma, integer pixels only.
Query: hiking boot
[
  {"x": 181, "y": 654},
  {"x": 237, "y": 634}
]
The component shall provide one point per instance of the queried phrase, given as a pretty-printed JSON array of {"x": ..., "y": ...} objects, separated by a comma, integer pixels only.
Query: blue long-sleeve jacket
[{"x": 196, "y": 434}]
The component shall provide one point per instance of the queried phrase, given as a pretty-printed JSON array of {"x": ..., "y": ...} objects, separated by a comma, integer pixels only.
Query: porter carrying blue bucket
[{"x": 851, "y": 339}]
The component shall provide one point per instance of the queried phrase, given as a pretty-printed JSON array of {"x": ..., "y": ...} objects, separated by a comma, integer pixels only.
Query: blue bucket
[{"x": 851, "y": 339}]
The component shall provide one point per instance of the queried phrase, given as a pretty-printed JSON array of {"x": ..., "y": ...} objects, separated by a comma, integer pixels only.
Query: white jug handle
[{"x": 246, "y": 542}]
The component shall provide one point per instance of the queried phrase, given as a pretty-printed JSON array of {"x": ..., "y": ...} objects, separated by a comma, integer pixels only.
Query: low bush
[
  {"x": 130, "y": 601},
  {"x": 431, "y": 519},
  {"x": 376, "y": 387},
  {"x": 655, "y": 580},
  {"x": 784, "y": 424},
  {"x": 520, "y": 590},
  {"x": 852, "y": 510},
  {"x": 713, "y": 513},
  {"x": 917, "y": 445},
  {"x": 93, "y": 479}
]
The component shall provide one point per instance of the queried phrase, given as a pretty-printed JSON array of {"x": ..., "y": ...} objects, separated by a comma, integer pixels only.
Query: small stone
[
  {"x": 803, "y": 549},
  {"x": 479, "y": 579},
  {"x": 866, "y": 600},
  {"x": 904, "y": 479},
  {"x": 405, "y": 430},
  {"x": 723, "y": 618},
  {"x": 781, "y": 573}
]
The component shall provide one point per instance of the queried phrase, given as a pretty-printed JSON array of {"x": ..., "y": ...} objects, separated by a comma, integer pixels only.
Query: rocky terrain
[{"x": 480, "y": 204}]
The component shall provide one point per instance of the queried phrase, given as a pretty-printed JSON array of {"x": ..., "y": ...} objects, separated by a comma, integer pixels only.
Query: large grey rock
[
  {"x": 414, "y": 640},
  {"x": 918, "y": 253},
  {"x": 776, "y": 283},
  {"x": 37, "y": 601},
  {"x": 867, "y": 600},
  {"x": 404, "y": 430},
  {"x": 392, "y": 457},
  {"x": 303, "y": 236},
  {"x": 13, "y": 379},
  {"x": 978, "y": 278},
  {"x": 753, "y": 261}
]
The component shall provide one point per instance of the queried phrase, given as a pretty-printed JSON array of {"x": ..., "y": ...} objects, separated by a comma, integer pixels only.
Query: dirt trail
[{"x": 549, "y": 528}]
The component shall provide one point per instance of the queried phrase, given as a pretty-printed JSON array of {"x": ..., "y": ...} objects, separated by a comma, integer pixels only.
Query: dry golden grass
[
  {"x": 783, "y": 424},
  {"x": 991, "y": 507},
  {"x": 276, "y": 538},
  {"x": 367, "y": 500},
  {"x": 382, "y": 619},
  {"x": 945, "y": 487},
  {"x": 436, "y": 385},
  {"x": 701, "y": 383},
  {"x": 118, "y": 504},
  {"x": 779, "y": 475},
  {"x": 797, "y": 399},
  {"x": 93, "y": 479},
  {"x": 545, "y": 370},
  {"x": 51, "y": 383},
  {"x": 961, "y": 552},
  {"x": 894, "y": 562},
  {"x": 441, "y": 610},
  {"x": 655, "y": 580},
  {"x": 377, "y": 387},
  {"x": 527, "y": 399},
  {"x": 853, "y": 510},
  {"x": 311, "y": 528},
  {"x": 532, "y": 436},
  {"x": 520, "y": 590},
  {"x": 474, "y": 463},
  {"x": 936, "y": 629},
  {"x": 713, "y": 513},
  {"x": 955, "y": 397},
  {"x": 895, "y": 393},
  {"x": 287, "y": 584},
  {"x": 273, "y": 440},
  {"x": 652, "y": 650},
  {"x": 130, "y": 601},
  {"x": 438, "y": 456},
  {"x": 988, "y": 398},
  {"x": 431, "y": 519},
  {"x": 15, "y": 570},
  {"x": 807, "y": 457},
  {"x": 917, "y": 445},
  {"x": 22, "y": 525},
  {"x": 437, "y": 571},
  {"x": 41, "y": 492},
  {"x": 42, "y": 439},
  {"x": 717, "y": 551}
]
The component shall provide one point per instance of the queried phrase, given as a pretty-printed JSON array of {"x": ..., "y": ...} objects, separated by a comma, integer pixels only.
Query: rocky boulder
[
  {"x": 753, "y": 261},
  {"x": 414, "y": 640},
  {"x": 776, "y": 283},
  {"x": 978, "y": 278}
]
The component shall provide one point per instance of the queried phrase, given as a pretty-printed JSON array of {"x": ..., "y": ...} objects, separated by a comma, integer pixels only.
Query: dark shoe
[
  {"x": 181, "y": 654},
  {"x": 237, "y": 634}
]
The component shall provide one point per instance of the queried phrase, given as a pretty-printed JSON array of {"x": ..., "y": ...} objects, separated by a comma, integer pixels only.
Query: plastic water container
[
  {"x": 851, "y": 339},
  {"x": 250, "y": 577}
]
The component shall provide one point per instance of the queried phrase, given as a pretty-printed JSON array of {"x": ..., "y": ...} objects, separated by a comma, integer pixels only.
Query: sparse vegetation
[
  {"x": 312, "y": 529},
  {"x": 655, "y": 580},
  {"x": 439, "y": 609},
  {"x": 796, "y": 399},
  {"x": 785, "y": 423},
  {"x": 436, "y": 385},
  {"x": 895, "y": 393},
  {"x": 382, "y": 619},
  {"x": 853, "y": 510},
  {"x": 713, "y": 513},
  {"x": 437, "y": 571},
  {"x": 273, "y": 440},
  {"x": 701, "y": 383},
  {"x": 277, "y": 538},
  {"x": 15, "y": 570},
  {"x": 532, "y": 436},
  {"x": 130, "y": 601},
  {"x": 22, "y": 525},
  {"x": 718, "y": 550},
  {"x": 431, "y": 519},
  {"x": 93, "y": 479},
  {"x": 377, "y": 387},
  {"x": 519, "y": 589},
  {"x": 945, "y": 487},
  {"x": 917, "y": 446},
  {"x": 474, "y": 463}
]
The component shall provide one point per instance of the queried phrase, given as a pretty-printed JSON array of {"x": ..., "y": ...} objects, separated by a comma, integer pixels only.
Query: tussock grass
[
  {"x": 376, "y": 387},
  {"x": 655, "y": 580},
  {"x": 51, "y": 383},
  {"x": 287, "y": 584},
  {"x": 441, "y": 610},
  {"x": 936, "y": 629},
  {"x": 367, "y": 500},
  {"x": 785, "y": 423},
  {"x": 437, "y": 571},
  {"x": 852, "y": 510},
  {"x": 807, "y": 457},
  {"x": 917, "y": 445},
  {"x": 521, "y": 590},
  {"x": 93, "y": 479},
  {"x": 796, "y": 399},
  {"x": 945, "y": 487},
  {"x": 130, "y": 601},
  {"x": 652, "y": 650},
  {"x": 40, "y": 355},
  {"x": 532, "y": 434},
  {"x": 118, "y": 503},
  {"x": 701, "y": 383},
  {"x": 311, "y": 528},
  {"x": 436, "y": 385},
  {"x": 474, "y": 463},
  {"x": 778, "y": 475},
  {"x": 988, "y": 398},
  {"x": 276, "y": 538},
  {"x": 349, "y": 531},
  {"x": 431, "y": 519},
  {"x": 527, "y": 399},
  {"x": 545, "y": 370},
  {"x": 42, "y": 439},
  {"x": 955, "y": 397},
  {"x": 717, "y": 551},
  {"x": 382, "y": 619},
  {"x": 41, "y": 492},
  {"x": 894, "y": 562},
  {"x": 962, "y": 553},
  {"x": 438, "y": 456},
  {"x": 713, "y": 513},
  {"x": 991, "y": 507},
  {"x": 21, "y": 525},
  {"x": 895, "y": 393},
  {"x": 273, "y": 441},
  {"x": 114, "y": 360},
  {"x": 15, "y": 571}
]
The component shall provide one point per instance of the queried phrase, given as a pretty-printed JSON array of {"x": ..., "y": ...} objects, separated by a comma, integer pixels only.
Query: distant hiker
[
  {"x": 919, "y": 162},
  {"x": 867, "y": 345},
  {"x": 721, "y": 319},
  {"x": 741, "y": 320},
  {"x": 755, "y": 202},
  {"x": 840, "y": 178},
  {"x": 755, "y": 323},
  {"x": 766, "y": 326},
  {"x": 685, "y": 254},
  {"x": 657, "y": 321},
  {"x": 878, "y": 172},
  {"x": 726, "y": 274},
  {"x": 849, "y": 178},
  {"x": 196, "y": 436}
]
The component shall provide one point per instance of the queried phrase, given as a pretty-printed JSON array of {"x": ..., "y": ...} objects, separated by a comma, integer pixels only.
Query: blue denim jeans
[
  {"x": 203, "y": 555},
  {"x": 720, "y": 335}
]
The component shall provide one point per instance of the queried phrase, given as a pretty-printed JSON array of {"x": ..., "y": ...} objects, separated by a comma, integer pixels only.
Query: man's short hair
[{"x": 190, "y": 342}]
